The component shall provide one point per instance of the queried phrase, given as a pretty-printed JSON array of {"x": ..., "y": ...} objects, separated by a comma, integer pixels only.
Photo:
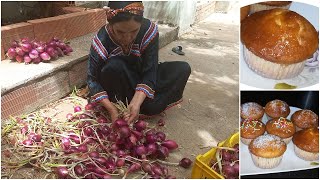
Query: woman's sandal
[{"x": 178, "y": 50}]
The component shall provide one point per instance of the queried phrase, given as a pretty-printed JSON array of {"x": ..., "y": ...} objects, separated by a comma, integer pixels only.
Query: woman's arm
[
  {"x": 99, "y": 95},
  {"x": 145, "y": 89}
]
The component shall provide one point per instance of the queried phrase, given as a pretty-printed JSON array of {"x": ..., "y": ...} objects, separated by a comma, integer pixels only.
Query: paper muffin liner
[
  {"x": 269, "y": 69},
  {"x": 266, "y": 163},
  {"x": 287, "y": 140},
  {"x": 305, "y": 155},
  {"x": 260, "y": 7},
  {"x": 245, "y": 140}
]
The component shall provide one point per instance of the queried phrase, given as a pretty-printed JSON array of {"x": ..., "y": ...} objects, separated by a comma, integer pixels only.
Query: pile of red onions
[
  {"x": 95, "y": 147},
  {"x": 229, "y": 161},
  {"x": 28, "y": 51}
]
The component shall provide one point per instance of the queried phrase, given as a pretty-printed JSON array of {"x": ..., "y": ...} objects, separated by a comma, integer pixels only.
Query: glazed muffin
[
  {"x": 267, "y": 151},
  {"x": 252, "y": 111},
  {"x": 306, "y": 144},
  {"x": 277, "y": 109},
  {"x": 282, "y": 128},
  {"x": 267, "y": 5},
  {"x": 244, "y": 11},
  {"x": 304, "y": 119},
  {"x": 277, "y": 43},
  {"x": 251, "y": 129}
]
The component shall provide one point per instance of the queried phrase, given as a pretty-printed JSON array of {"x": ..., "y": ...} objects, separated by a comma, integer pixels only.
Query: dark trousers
[{"x": 120, "y": 81}]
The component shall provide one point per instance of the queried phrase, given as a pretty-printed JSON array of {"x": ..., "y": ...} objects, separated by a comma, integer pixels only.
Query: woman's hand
[
  {"x": 134, "y": 107},
  {"x": 113, "y": 111}
]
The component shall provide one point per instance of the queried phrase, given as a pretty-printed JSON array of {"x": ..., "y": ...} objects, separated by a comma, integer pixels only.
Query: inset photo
[
  {"x": 279, "y": 46},
  {"x": 279, "y": 134}
]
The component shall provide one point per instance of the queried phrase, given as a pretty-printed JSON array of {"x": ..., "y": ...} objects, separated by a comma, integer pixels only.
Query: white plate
[
  {"x": 308, "y": 77},
  {"x": 290, "y": 162}
]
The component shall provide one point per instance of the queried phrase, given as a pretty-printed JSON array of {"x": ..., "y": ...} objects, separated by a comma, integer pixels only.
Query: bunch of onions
[
  {"x": 227, "y": 163},
  {"x": 36, "y": 51}
]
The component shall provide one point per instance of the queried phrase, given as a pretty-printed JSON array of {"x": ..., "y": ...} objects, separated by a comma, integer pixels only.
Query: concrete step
[{"x": 25, "y": 88}]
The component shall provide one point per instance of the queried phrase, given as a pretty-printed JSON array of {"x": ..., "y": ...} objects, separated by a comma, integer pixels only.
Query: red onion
[
  {"x": 27, "y": 59},
  {"x": 14, "y": 44},
  {"x": 236, "y": 168},
  {"x": 62, "y": 172},
  {"x": 162, "y": 152},
  {"x": 105, "y": 130},
  {"x": 170, "y": 144},
  {"x": 55, "y": 39},
  {"x": 27, "y": 142},
  {"x": 37, "y": 60},
  {"x": 11, "y": 53},
  {"x": 83, "y": 116},
  {"x": 140, "y": 125},
  {"x": 133, "y": 167},
  {"x": 26, "y": 47},
  {"x": 112, "y": 137},
  {"x": 69, "y": 116},
  {"x": 124, "y": 132},
  {"x": 19, "y": 59},
  {"x": 133, "y": 139},
  {"x": 161, "y": 136},
  {"x": 94, "y": 154},
  {"x": 226, "y": 155},
  {"x": 19, "y": 51},
  {"x": 119, "y": 123},
  {"x": 120, "y": 162},
  {"x": 76, "y": 139},
  {"x": 161, "y": 122},
  {"x": 83, "y": 148},
  {"x": 151, "y": 148},
  {"x": 36, "y": 138},
  {"x": 157, "y": 170},
  {"x": 40, "y": 49},
  {"x": 51, "y": 52},
  {"x": 35, "y": 44},
  {"x": 155, "y": 177},
  {"x": 101, "y": 160},
  {"x": 24, "y": 129},
  {"x": 228, "y": 170},
  {"x": 45, "y": 56},
  {"x": 165, "y": 171},
  {"x": 185, "y": 162},
  {"x": 65, "y": 142},
  {"x": 52, "y": 45},
  {"x": 140, "y": 150},
  {"x": 67, "y": 50},
  {"x": 61, "y": 45},
  {"x": 33, "y": 54},
  {"x": 146, "y": 167},
  {"x": 137, "y": 134},
  {"x": 78, "y": 170},
  {"x": 88, "y": 131},
  {"x": 151, "y": 139},
  {"x": 89, "y": 107},
  {"x": 77, "y": 109}
]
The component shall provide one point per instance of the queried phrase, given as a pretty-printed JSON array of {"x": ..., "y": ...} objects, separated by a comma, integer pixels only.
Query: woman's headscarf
[{"x": 124, "y": 6}]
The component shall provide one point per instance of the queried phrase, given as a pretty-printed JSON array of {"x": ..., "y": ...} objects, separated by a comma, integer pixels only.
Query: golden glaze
[
  {"x": 307, "y": 140},
  {"x": 244, "y": 11},
  {"x": 276, "y": 3},
  {"x": 251, "y": 129},
  {"x": 277, "y": 108},
  {"x": 280, "y": 36},
  {"x": 281, "y": 127},
  {"x": 305, "y": 119}
]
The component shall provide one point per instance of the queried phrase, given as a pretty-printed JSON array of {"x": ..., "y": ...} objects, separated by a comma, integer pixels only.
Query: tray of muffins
[
  {"x": 277, "y": 138},
  {"x": 279, "y": 45}
]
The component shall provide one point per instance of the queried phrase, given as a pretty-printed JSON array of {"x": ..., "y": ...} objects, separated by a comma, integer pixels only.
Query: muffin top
[
  {"x": 281, "y": 127},
  {"x": 268, "y": 146},
  {"x": 307, "y": 139},
  {"x": 251, "y": 129},
  {"x": 276, "y": 3},
  {"x": 277, "y": 108},
  {"x": 279, "y": 35},
  {"x": 251, "y": 110},
  {"x": 305, "y": 119}
]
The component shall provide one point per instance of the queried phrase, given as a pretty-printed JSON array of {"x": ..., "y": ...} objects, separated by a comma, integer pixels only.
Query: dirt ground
[{"x": 209, "y": 112}]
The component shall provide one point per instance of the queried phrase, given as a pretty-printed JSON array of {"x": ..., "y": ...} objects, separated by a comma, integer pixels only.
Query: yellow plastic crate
[{"x": 201, "y": 170}]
